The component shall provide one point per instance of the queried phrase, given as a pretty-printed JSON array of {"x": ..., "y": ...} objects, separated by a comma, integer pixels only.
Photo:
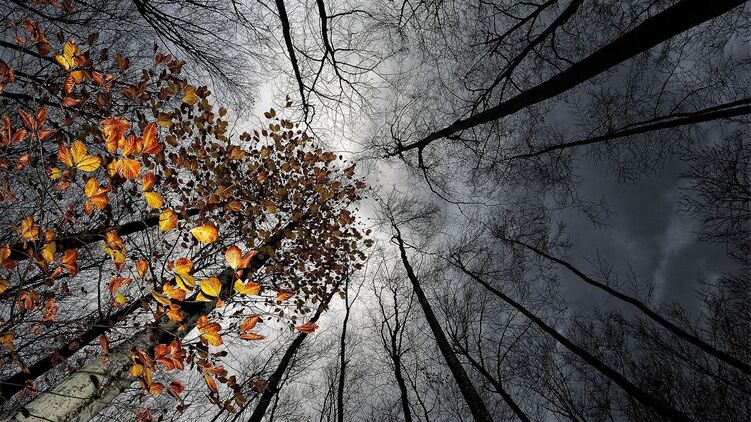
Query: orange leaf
[
  {"x": 147, "y": 181},
  {"x": 64, "y": 155},
  {"x": 176, "y": 387},
  {"x": 151, "y": 144},
  {"x": 113, "y": 130},
  {"x": 171, "y": 356},
  {"x": 174, "y": 313},
  {"x": 69, "y": 261},
  {"x": 128, "y": 168},
  {"x": 211, "y": 383},
  {"x": 209, "y": 331},
  {"x": 307, "y": 328},
  {"x": 104, "y": 343},
  {"x": 142, "y": 266},
  {"x": 283, "y": 295},
  {"x": 205, "y": 234},
  {"x": 252, "y": 336},
  {"x": 173, "y": 292},
  {"x": 156, "y": 388},
  {"x": 250, "y": 322},
  {"x": 29, "y": 230}
]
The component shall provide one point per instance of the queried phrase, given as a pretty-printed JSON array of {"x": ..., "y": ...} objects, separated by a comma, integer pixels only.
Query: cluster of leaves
[{"x": 92, "y": 150}]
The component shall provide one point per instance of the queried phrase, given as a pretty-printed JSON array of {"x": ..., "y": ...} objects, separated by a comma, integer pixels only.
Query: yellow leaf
[
  {"x": 190, "y": 96},
  {"x": 69, "y": 59},
  {"x": 82, "y": 160},
  {"x": 154, "y": 199},
  {"x": 209, "y": 331},
  {"x": 233, "y": 255},
  {"x": 48, "y": 251},
  {"x": 55, "y": 173},
  {"x": 200, "y": 297},
  {"x": 120, "y": 298},
  {"x": 185, "y": 281},
  {"x": 248, "y": 289},
  {"x": 4, "y": 284},
  {"x": 205, "y": 234},
  {"x": 167, "y": 220},
  {"x": 211, "y": 287},
  {"x": 160, "y": 298}
]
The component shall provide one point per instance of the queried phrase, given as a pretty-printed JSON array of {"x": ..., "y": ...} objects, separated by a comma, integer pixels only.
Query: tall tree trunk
[
  {"x": 641, "y": 306},
  {"x": 393, "y": 344},
  {"x": 647, "y": 399},
  {"x": 496, "y": 384},
  {"x": 670, "y": 22},
  {"x": 403, "y": 395},
  {"x": 471, "y": 396},
  {"x": 343, "y": 356},
  {"x": 17, "y": 382},
  {"x": 83, "y": 394},
  {"x": 272, "y": 385}
]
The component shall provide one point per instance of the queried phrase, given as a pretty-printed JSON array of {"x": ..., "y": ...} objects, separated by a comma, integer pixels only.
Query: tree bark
[
  {"x": 471, "y": 396},
  {"x": 660, "y": 27},
  {"x": 83, "y": 394}
]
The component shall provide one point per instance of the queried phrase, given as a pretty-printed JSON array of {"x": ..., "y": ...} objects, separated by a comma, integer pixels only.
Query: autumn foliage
[{"x": 122, "y": 189}]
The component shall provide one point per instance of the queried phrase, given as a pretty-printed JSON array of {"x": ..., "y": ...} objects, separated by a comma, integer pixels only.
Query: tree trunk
[
  {"x": 17, "y": 382},
  {"x": 396, "y": 359},
  {"x": 497, "y": 385},
  {"x": 343, "y": 357},
  {"x": 83, "y": 394},
  {"x": 660, "y": 27},
  {"x": 657, "y": 405},
  {"x": 471, "y": 396},
  {"x": 649, "y": 313},
  {"x": 272, "y": 385}
]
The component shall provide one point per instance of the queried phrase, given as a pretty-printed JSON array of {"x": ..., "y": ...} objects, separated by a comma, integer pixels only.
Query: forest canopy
[{"x": 414, "y": 210}]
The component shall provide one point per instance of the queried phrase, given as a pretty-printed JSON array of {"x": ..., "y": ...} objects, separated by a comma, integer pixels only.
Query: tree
[{"x": 292, "y": 217}]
